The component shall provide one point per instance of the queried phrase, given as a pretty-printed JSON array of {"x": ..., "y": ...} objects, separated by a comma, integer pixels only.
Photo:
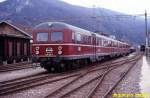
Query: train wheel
[
  {"x": 86, "y": 62},
  {"x": 74, "y": 64},
  {"x": 89, "y": 61},
  {"x": 67, "y": 66},
  {"x": 52, "y": 69},
  {"x": 63, "y": 67}
]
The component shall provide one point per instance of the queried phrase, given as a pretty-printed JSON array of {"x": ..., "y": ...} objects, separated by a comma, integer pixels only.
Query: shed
[{"x": 14, "y": 44}]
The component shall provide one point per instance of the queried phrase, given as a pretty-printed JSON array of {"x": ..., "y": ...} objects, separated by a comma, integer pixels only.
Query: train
[
  {"x": 61, "y": 46},
  {"x": 142, "y": 48}
]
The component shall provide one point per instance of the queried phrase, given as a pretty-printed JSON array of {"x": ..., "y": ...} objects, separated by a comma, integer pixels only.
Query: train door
[{"x": 94, "y": 46}]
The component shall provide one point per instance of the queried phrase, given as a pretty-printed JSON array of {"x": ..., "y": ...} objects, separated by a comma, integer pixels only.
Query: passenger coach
[{"x": 60, "y": 46}]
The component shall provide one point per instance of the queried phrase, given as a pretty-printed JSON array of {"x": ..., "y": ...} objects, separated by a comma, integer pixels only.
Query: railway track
[
  {"x": 29, "y": 82},
  {"x": 108, "y": 92},
  {"x": 22, "y": 84},
  {"x": 12, "y": 86},
  {"x": 68, "y": 89},
  {"x": 103, "y": 65},
  {"x": 12, "y": 67}
]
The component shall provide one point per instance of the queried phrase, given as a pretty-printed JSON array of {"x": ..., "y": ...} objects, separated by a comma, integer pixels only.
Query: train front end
[{"x": 50, "y": 46}]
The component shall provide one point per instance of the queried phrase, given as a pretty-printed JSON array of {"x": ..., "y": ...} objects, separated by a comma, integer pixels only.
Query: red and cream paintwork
[
  {"x": 68, "y": 49},
  {"x": 92, "y": 45}
]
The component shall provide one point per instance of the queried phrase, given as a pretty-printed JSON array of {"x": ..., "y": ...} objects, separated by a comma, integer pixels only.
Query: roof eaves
[{"x": 17, "y": 28}]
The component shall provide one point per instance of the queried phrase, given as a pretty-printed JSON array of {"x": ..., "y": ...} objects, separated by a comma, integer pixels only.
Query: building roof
[{"x": 16, "y": 28}]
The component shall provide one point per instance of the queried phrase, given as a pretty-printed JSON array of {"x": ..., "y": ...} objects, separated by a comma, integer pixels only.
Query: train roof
[
  {"x": 50, "y": 25},
  {"x": 62, "y": 25},
  {"x": 108, "y": 38}
]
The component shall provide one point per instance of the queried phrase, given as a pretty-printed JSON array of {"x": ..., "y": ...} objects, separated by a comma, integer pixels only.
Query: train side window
[
  {"x": 42, "y": 36},
  {"x": 104, "y": 43},
  {"x": 89, "y": 40},
  {"x": 73, "y": 37},
  {"x": 100, "y": 42},
  {"x": 115, "y": 44},
  {"x": 109, "y": 43},
  {"x": 97, "y": 41},
  {"x": 112, "y": 44},
  {"x": 78, "y": 38},
  {"x": 85, "y": 39},
  {"x": 56, "y": 36}
]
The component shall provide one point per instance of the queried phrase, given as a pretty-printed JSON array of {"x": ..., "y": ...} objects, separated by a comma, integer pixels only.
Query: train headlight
[
  {"x": 37, "y": 52},
  {"x": 59, "y": 52},
  {"x": 37, "y": 48},
  {"x": 59, "y": 48}
]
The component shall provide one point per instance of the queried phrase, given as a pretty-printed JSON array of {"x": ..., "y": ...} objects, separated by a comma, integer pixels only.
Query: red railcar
[{"x": 58, "y": 45}]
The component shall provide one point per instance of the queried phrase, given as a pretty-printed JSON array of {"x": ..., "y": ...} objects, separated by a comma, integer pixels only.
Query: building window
[
  {"x": 42, "y": 36},
  {"x": 57, "y": 36}
]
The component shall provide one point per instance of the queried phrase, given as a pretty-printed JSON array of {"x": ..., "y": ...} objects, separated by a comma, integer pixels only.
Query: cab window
[
  {"x": 42, "y": 36},
  {"x": 56, "y": 36}
]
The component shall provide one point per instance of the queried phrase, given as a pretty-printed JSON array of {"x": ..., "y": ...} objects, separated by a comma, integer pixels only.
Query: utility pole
[{"x": 147, "y": 35}]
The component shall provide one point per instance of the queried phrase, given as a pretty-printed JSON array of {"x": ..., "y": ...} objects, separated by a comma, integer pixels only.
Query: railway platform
[{"x": 138, "y": 80}]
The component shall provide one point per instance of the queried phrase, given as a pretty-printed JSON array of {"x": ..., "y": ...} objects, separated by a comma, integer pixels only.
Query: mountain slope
[{"x": 33, "y": 12}]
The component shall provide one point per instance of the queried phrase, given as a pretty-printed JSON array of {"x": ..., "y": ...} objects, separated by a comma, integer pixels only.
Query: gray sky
[
  {"x": 2, "y": 0},
  {"x": 125, "y": 6}
]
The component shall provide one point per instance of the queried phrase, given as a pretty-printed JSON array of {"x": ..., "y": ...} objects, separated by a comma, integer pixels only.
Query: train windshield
[
  {"x": 56, "y": 36},
  {"x": 42, "y": 36}
]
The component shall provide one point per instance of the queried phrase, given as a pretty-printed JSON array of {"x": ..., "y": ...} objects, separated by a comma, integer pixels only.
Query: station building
[{"x": 14, "y": 44}]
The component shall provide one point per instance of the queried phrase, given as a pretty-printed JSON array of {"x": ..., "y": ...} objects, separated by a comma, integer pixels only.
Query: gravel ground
[
  {"x": 44, "y": 90},
  {"x": 109, "y": 80},
  {"x": 82, "y": 91},
  {"x": 130, "y": 84},
  {"x": 133, "y": 83},
  {"x": 77, "y": 83},
  {"x": 39, "y": 91},
  {"x": 5, "y": 76}
]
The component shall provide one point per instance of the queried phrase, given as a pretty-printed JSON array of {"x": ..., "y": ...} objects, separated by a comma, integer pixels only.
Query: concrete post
[
  {"x": 14, "y": 61},
  {"x": 21, "y": 60},
  {"x": 28, "y": 59},
  {"x": 4, "y": 62}
]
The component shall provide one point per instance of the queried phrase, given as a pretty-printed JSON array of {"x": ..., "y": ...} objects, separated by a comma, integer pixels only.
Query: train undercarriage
[{"x": 59, "y": 64}]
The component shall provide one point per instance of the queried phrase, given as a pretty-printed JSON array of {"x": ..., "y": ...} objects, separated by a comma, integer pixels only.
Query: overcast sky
[
  {"x": 125, "y": 6},
  {"x": 2, "y": 0}
]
